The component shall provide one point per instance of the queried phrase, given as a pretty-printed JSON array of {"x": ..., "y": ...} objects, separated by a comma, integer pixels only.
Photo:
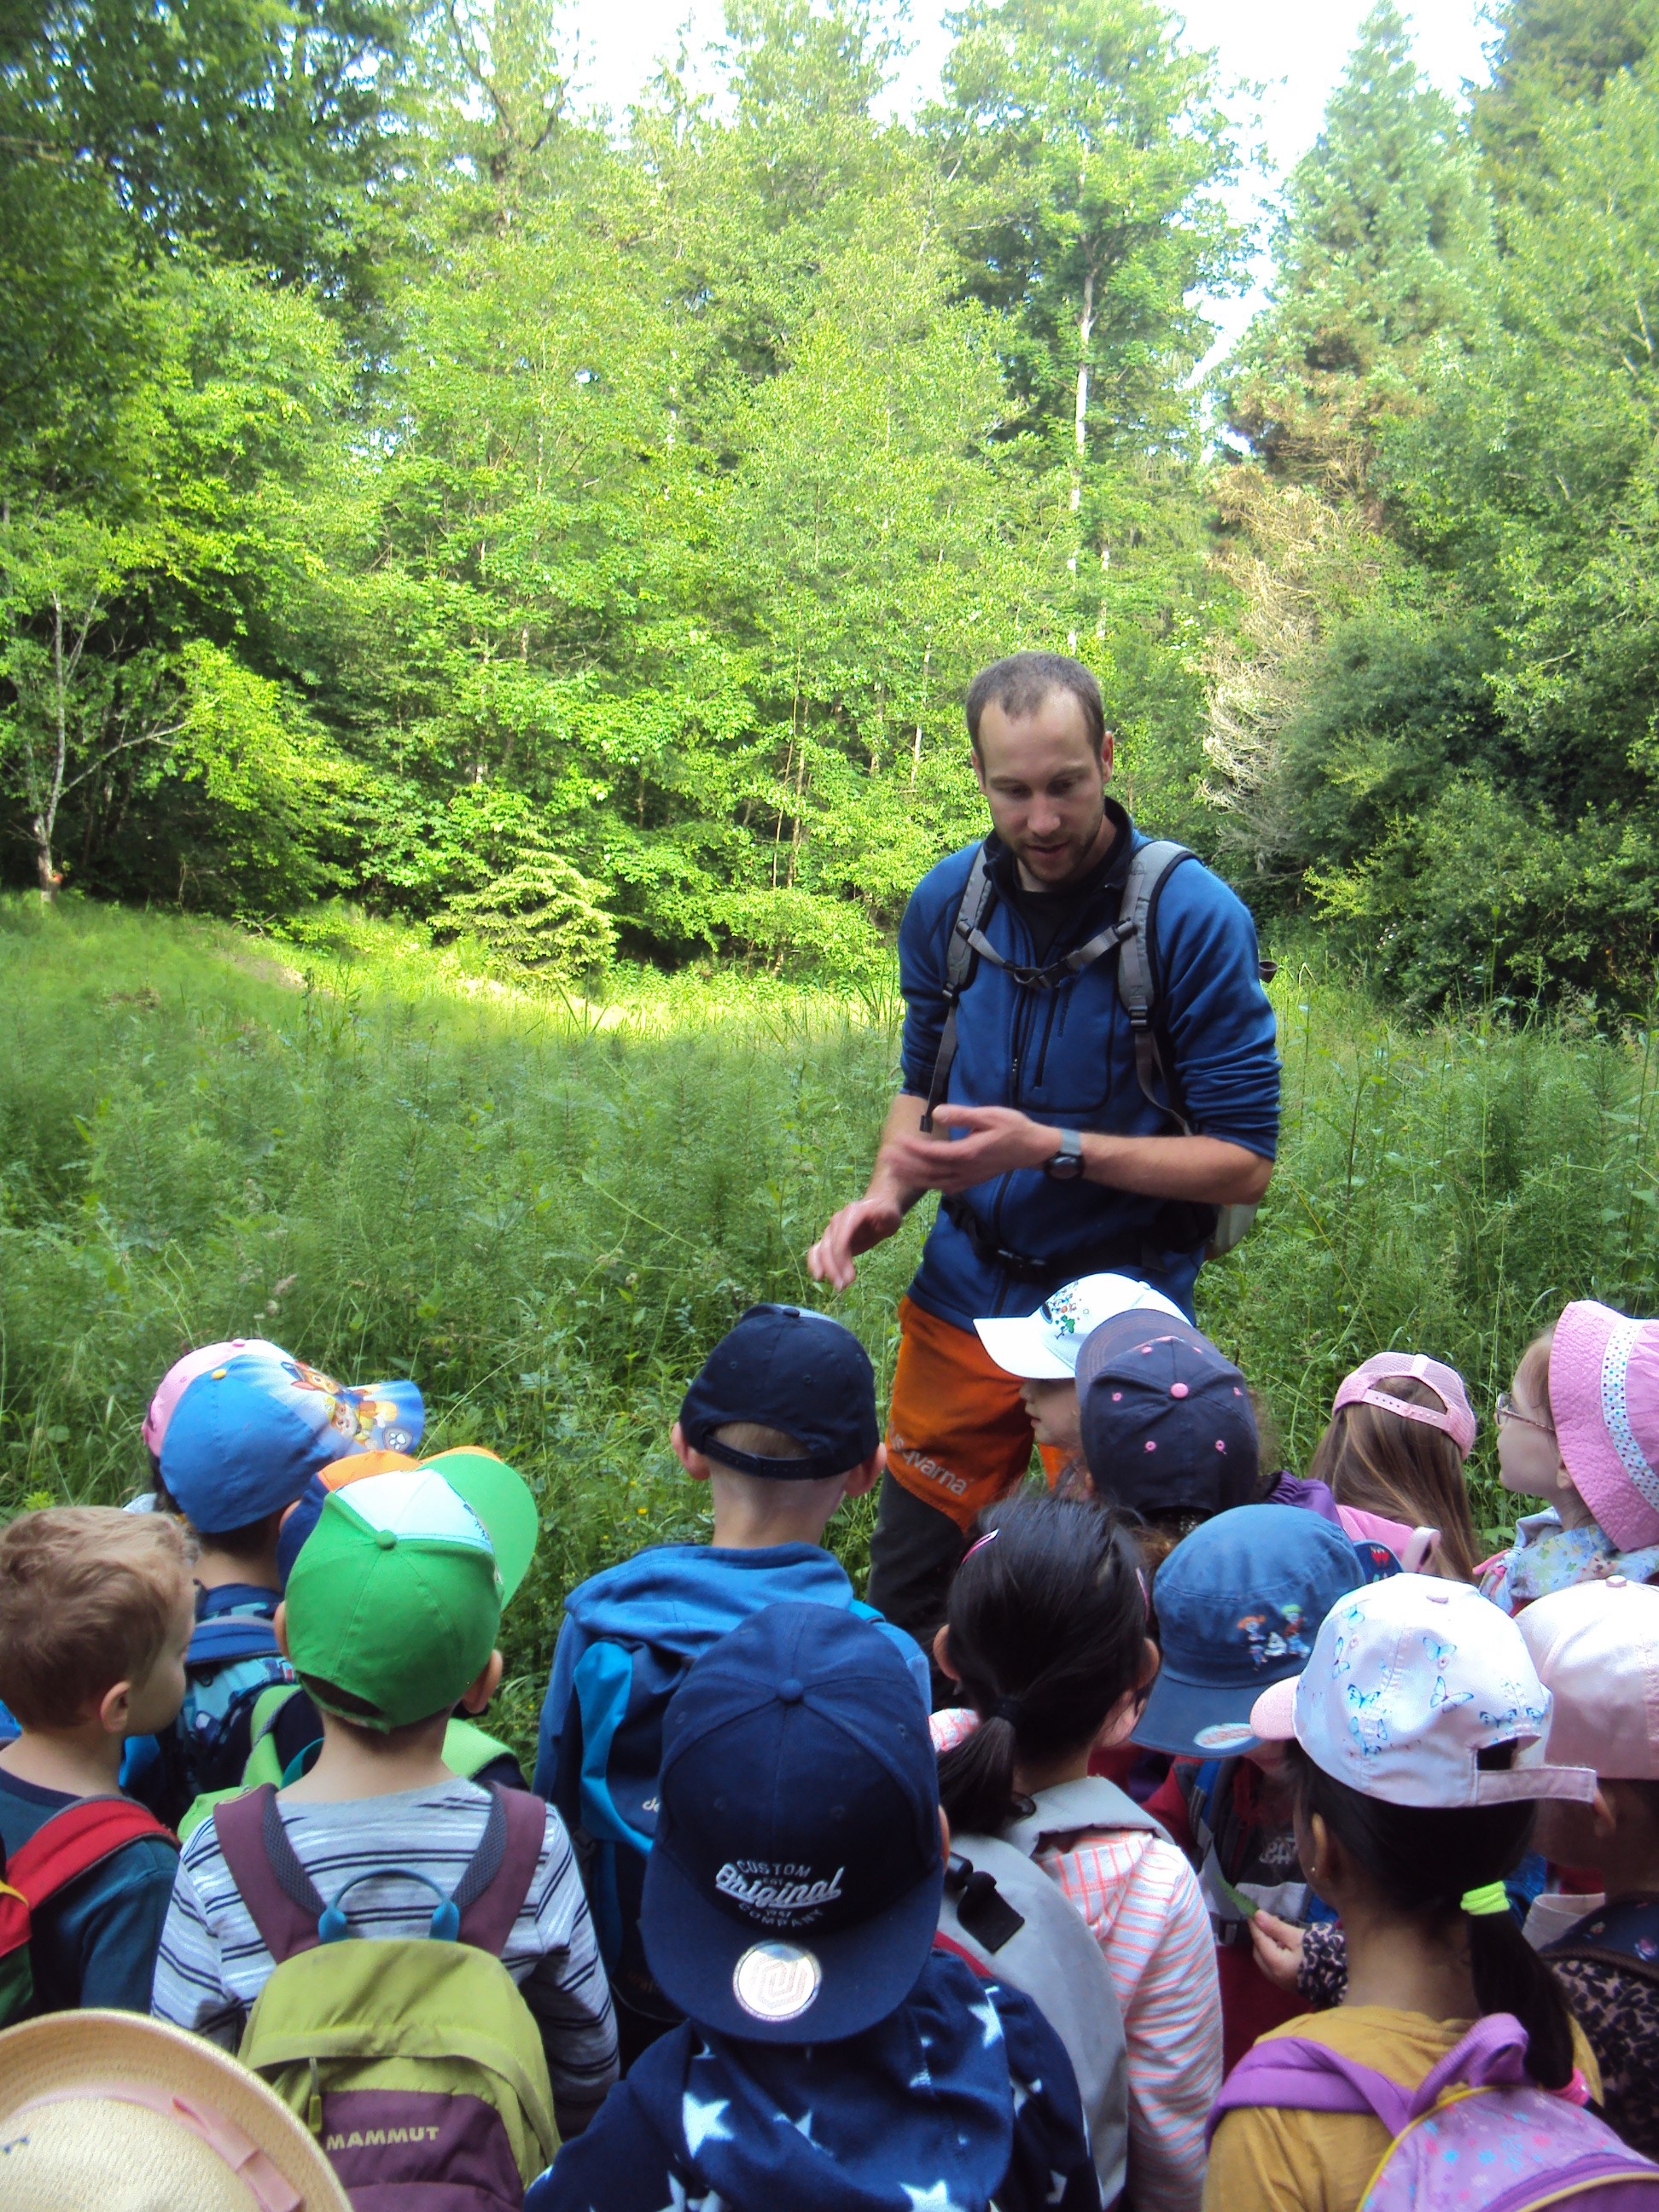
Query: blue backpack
[
  {"x": 233, "y": 1659},
  {"x": 604, "y": 1786}
]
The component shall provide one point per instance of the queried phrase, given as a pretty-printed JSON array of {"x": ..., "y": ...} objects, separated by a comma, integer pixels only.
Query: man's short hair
[
  {"x": 1020, "y": 684},
  {"x": 87, "y": 1597}
]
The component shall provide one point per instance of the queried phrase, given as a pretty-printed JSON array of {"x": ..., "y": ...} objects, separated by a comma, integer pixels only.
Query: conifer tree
[
  {"x": 1381, "y": 250},
  {"x": 1548, "y": 53}
]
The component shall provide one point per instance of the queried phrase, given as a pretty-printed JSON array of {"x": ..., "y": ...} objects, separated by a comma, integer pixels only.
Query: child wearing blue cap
[
  {"x": 235, "y": 1441},
  {"x": 831, "y": 2058},
  {"x": 1239, "y": 1602},
  {"x": 780, "y": 1423}
]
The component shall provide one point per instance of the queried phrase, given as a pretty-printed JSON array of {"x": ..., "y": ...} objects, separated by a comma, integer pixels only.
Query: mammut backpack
[
  {"x": 1013, "y": 1924},
  {"x": 467, "y": 1751},
  {"x": 59, "y": 1852},
  {"x": 414, "y": 2061},
  {"x": 1624, "y": 1935},
  {"x": 1477, "y": 2136}
]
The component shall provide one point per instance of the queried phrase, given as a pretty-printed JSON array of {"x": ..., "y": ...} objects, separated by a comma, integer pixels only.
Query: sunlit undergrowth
[{"x": 544, "y": 1210}]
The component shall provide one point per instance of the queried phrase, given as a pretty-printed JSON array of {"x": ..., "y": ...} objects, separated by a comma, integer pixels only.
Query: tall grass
[{"x": 545, "y": 1211}]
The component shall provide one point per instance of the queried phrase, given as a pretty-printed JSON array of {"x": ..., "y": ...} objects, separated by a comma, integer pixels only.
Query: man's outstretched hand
[
  {"x": 857, "y": 1228},
  {"x": 999, "y": 1139}
]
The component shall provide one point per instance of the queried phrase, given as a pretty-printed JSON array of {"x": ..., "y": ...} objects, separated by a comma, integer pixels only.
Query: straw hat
[{"x": 112, "y": 2110}]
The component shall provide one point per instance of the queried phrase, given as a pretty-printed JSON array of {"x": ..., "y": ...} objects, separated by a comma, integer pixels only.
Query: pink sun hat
[
  {"x": 182, "y": 1372},
  {"x": 1360, "y": 1388},
  {"x": 1604, "y": 1401}
]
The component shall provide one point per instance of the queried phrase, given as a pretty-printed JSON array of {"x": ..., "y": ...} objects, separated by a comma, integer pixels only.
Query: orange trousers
[{"x": 958, "y": 1434}]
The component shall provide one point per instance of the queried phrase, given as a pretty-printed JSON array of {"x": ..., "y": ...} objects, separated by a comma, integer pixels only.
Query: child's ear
[
  {"x": 865, "y": 1477},
  {"x": 942, "y": 1655},
  {"x": 115, "y": 1709},
  {"x": 476, "y": 1698},
  {"x": 279, "y": 1629},
  {"x": 694, "y": 1461}
]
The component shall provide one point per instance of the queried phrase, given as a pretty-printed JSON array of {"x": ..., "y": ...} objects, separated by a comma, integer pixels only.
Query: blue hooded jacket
[
  {"x": 962, "y": 2097},
  {"x": 1066, "y": 1058}
]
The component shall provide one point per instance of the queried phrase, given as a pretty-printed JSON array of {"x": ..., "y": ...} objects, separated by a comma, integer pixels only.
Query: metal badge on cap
[{"x": 775, "y": 1981}]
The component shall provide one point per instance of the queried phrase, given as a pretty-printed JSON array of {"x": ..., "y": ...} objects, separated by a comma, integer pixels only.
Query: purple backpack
[{"x": 1477, "y": 2136}]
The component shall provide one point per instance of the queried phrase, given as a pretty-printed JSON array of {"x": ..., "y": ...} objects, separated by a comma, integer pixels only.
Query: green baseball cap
[
  {"x": 396, "y": 1594},
  {"x": 501, "y": 1501}
]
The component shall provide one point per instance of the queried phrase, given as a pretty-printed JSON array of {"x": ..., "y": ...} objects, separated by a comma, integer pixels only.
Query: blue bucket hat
[
  {"x": 793, "y": 1886},
  {"x": 1238, "y": 1605}
]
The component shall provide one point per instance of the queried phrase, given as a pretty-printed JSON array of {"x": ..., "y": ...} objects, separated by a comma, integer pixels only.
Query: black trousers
[{"x": 915, "y": 1553}]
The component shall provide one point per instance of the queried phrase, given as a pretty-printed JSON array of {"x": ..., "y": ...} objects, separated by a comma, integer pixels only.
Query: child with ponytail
[
  {"x": 1047, "y": 1634},
  {"x": 1401, "y": 1735}
]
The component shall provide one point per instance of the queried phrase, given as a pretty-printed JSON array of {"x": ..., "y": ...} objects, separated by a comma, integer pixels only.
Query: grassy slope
[{"x": 546, "y": 1219}]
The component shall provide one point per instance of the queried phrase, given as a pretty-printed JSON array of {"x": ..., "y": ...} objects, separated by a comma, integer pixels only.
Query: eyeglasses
[{"x": 1508, "y": 1410}]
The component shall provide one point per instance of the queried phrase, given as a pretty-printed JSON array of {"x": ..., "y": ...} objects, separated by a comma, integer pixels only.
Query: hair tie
[
  {"x": 1006, "y": 1709},
  {"x": 989, "y": 1536},
  {"x": 1485, "y": 1903}
]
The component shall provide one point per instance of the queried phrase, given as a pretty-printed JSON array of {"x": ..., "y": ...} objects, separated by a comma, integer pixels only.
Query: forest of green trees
[{"x": 576, "y": 534}]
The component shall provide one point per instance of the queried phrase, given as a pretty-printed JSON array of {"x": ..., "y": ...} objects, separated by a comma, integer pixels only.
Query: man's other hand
[
  {"x": 856, "y": 1227},
  {"x": 999, "y": 1139}
]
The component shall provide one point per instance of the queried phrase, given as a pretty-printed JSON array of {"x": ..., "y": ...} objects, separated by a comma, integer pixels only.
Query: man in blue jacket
[{"x": 1051, "y": 1161}]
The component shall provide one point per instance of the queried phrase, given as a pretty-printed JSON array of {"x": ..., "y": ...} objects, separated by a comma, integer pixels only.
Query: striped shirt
[
  {"x": 1141, "y": 1899},
  {"x": 213, "y": 1964}
]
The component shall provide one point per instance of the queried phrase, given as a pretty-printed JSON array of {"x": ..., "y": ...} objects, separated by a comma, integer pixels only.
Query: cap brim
[
  {"x": 1016, "y": 1344},
  {"x": 694, "y": 1947},
  {"x": 501, "y": 1500},
  {"x": 1273, "y": 1714},
  {"x": 1196, "y": 1720}
]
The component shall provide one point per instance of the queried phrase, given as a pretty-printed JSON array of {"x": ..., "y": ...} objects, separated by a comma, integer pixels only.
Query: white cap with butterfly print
[
  {"x": 1043, "y": 1346},
  {"x": 1410, "y": 1681}
]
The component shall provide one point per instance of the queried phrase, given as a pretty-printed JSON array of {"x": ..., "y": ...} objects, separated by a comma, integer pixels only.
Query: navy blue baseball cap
[
  {"x": 787, "y": 1368},
  {"x": 793, "y": 1889},
  {"x": 1167, "y": 1422},
  {"x": 1238, "y": 1604}
]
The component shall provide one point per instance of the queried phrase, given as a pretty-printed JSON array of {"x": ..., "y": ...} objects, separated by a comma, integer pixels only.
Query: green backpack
[
  {"x": 467, "y": 1751},
  {"x": 414, "y": 2061}
]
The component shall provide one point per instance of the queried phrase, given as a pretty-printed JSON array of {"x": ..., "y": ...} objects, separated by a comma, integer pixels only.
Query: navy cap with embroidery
[
  {"x": 1238, "y": 1604},
  {"x": 793, "y": 1885},
  {"x": 787, "y": 1368},
  {"x": 1167, "y": 1422}
]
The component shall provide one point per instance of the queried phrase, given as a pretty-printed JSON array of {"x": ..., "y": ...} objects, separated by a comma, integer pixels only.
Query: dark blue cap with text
[
  {"x": 787, "y": 1368},
  {"x": 1239, "y": 1603},
  {"x": 793, "y": 1886}
]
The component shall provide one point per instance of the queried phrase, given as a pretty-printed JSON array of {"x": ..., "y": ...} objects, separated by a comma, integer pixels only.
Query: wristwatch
[{"x": 1066, "y": 1165}]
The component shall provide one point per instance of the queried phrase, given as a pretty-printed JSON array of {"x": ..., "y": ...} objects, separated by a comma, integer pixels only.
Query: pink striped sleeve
[{"x": 1140, "y": 1896}]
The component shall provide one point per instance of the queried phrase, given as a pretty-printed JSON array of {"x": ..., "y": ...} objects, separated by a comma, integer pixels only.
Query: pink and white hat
[
  {"x": 1604, "y": 1401},
  {"x": 182, "y": 1372},
  {"x": 1458, "y": 1421},
  {"x": 1409, "y": 1681},
  {"x": 1596, "y": 1649}
]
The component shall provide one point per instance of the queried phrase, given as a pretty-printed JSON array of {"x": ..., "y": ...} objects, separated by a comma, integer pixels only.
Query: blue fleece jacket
[
  {"x": 681, "y": 1598},
  {"x": 1066, "y": 1058}
]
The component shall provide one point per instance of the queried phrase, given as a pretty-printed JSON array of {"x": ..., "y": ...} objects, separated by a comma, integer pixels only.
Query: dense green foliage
[
  {"x": 1437, "y": 718},
  {"x": 574, "y": 538},
  {"x": 398, "y": 1168}
]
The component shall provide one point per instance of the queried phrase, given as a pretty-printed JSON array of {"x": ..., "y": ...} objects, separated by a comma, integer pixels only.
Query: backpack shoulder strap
[
  {"x": 1075, "y": 1808},
  {"x": 491, "y": 1893},
  {"x": 76, "y": 1840},
  {"x": 281, "y": 1898},
  {"x": 978, "y": 897},
  {"x": 468, "y": 1749},
  {"x": 1137, "y": 980},
  {"x": 1624, "y": 1935},
  {"x": 1295, "y": 2074},
  {"x": 231, "y": 1636}
]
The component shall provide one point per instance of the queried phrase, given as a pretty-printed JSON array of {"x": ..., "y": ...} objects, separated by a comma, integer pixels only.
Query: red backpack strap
[
  {"x": 79, "y": 1837},
  {"x": 491, "y": 1893},
  {"x": 281, "y": 1898}
]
